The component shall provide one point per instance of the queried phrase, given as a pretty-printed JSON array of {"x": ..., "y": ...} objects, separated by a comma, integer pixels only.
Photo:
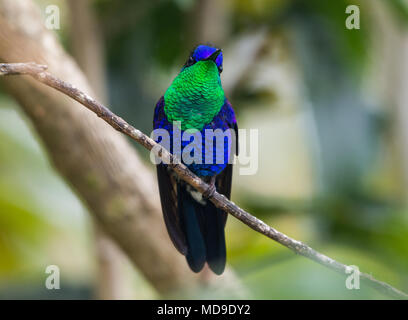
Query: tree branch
[
  {"x": 99, "y": 164},
  {"x": 38, "y": 72}
]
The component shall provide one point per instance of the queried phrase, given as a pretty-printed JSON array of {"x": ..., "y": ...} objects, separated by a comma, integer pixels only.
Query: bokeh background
[{"x": 330, "y": 106}]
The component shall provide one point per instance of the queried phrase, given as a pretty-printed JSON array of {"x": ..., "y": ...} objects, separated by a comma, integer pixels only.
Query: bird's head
[
  {"x": 196, "y": 94},
  {"x": 205, "y": 53}
]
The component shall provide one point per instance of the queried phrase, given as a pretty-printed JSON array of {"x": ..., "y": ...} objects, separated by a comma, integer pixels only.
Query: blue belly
[{"x": 214, "y": 156}]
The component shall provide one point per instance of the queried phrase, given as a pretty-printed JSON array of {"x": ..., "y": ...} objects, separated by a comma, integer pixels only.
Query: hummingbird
[{"x": 196, "y": 101}]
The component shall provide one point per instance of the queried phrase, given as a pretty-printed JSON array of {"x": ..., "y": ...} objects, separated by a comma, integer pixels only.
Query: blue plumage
[
  {"x": 194, "y": 224},
  {"x": 224, "y": 120}
]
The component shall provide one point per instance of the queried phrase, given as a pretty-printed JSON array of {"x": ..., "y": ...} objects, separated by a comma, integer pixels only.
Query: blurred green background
[{"x": 333, "y": 161}]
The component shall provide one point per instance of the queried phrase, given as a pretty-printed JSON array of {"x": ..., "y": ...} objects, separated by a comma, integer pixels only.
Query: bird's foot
[{"x": 207, "y": 194}]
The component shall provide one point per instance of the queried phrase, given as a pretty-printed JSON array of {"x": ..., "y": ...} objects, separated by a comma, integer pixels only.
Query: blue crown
[{"x": 203, "y": 52}]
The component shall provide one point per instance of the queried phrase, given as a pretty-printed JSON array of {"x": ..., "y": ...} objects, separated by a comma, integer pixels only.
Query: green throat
[{"x": 195, "y": 96}]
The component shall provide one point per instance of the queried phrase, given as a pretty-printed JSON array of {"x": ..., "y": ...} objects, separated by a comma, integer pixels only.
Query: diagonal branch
[{"x": 38, "y": 72}]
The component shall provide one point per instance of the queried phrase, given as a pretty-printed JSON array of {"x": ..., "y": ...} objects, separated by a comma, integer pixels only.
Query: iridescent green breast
[{"x": 195, "y": 96}]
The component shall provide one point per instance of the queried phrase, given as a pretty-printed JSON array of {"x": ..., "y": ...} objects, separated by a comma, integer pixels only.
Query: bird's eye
[
  {"x": 220, "y": 69},
  {"x": 190, "y": 61}
]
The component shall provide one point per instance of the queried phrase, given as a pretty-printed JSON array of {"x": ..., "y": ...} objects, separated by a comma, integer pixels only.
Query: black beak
[{"x": 214, "y": 55}]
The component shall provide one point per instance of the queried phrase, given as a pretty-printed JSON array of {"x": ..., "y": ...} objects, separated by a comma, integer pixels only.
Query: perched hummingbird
[{"x": 196, "y": 100}]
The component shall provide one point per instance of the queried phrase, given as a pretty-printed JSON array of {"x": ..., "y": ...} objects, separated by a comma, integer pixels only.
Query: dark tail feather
[
  {"x": 215, "y": 238},
  {"x": 189, "y": 209}
]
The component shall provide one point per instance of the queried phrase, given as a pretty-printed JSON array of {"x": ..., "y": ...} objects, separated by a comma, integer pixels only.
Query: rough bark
[
  {"x": 88, "y": 51},
  {"x": 100, "y": 165}
]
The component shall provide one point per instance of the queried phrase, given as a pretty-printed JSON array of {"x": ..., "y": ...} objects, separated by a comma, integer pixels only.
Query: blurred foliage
[
  {"x": 41, "y": 221},
  {"x": 328, "y": 170}
]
